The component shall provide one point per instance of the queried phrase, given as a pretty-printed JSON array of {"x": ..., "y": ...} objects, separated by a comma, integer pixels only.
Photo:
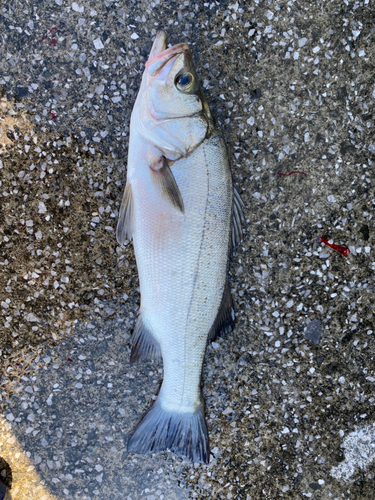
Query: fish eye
[{"x": 184, "y": 81}]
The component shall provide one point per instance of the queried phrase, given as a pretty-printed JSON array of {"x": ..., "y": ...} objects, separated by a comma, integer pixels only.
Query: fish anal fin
[
  {"x": 238, "y": 219},
  {"x": 224, "y": 321},
  {"x": 185, "y": 434},
  {"x": 144, "y": 345},
  {"x": 125, "y": 222},
  {"x": 165, "y": 182}
]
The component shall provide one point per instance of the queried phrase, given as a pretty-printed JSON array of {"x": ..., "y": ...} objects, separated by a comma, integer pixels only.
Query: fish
[{"x": 184, "y": 216}]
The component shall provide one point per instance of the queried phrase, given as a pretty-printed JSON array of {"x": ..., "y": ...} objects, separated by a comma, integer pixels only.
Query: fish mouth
[{"x": 160, "y": 55}]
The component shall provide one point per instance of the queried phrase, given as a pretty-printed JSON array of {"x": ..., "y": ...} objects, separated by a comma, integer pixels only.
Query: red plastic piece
[
  {"x": 53, "y": 42},
  {"x": 343, "y": 250},
  {"x": 291, "y": 173},
  {"x": 54, "y": 115},
  {"x": 48, "y": 33}
]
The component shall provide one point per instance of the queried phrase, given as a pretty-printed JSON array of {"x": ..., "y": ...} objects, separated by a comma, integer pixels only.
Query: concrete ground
[{"x": 290, "y": 393}]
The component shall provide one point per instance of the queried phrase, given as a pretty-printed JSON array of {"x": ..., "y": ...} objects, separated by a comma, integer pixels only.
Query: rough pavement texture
[{"x": 291, "y": 84}]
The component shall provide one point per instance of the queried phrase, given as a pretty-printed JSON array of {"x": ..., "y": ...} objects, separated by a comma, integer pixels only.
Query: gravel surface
[{"x": 290, "y": 393}]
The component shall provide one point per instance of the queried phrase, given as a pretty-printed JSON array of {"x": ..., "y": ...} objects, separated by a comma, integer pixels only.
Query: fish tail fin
[{"x": 183, "y": 433}]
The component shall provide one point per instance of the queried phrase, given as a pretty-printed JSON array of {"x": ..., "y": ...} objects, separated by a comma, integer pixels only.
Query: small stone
[
  {"x": 77, "y": 8},
  {"x": 98, "y": 44},
  {"x": 42, "y": 208},
  {"x": 315, "y": 486},
  {"x": 324, "y": 255},
  {"x": 32, "y": 318},
  {"x": 314, "y": 331},
  {"x": 99, "y": 89}
]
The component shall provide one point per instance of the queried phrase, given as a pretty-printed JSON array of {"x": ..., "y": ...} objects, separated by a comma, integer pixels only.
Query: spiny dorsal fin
[
  {"x": 166, "y": 183},
  {"x": 125, "y": 221},
  {"x": 144, "y": 346},
  {"x": 224, "y": 322},
  {"x": 237, "y": 220}
]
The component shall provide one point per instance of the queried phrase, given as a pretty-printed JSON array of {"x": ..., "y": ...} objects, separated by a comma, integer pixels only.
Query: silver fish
[{"x": 178, "y": 207}]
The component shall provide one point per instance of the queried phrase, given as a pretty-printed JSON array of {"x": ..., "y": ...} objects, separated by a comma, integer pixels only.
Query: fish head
[{"x": 171, "y": 112}]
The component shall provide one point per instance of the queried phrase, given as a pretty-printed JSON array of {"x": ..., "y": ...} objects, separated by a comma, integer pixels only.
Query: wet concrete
[{"x": 292, "y": 87}]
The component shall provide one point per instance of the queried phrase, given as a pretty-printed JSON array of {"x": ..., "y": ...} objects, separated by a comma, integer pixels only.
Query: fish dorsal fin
[
  {"x": 144, "y": 345},
  {"x": 166, "y": 184},
  {"x": 125, "y": 222},
  {"x": 224, "y": 322},
  {"x": 238, "y": 219}
]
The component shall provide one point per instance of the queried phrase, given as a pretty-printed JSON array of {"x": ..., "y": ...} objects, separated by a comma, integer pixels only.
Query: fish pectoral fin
[
  {"x": 166, "y": 184},
  {"x": 224, "y": 321},
  {"x": 238, "y": 219},
  {"x": 125, "y": 221},
  {"x": 185, "y": 434},
  {"x": 144, "y": 345}
]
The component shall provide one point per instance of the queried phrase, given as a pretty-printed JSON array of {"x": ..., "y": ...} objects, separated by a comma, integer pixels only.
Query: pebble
[{"x": 314, "y": 331}]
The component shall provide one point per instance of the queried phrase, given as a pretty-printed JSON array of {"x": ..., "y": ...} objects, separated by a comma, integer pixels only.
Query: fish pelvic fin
[
  {"x": 144, "y": 345},
  {"x": 237, "y": 220},
  {"x": 166, "y": 183},
  {"x": 125, "y": 222},
  {"x": 185, "y": 434},
  {"x": 224, "y": 321}
]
